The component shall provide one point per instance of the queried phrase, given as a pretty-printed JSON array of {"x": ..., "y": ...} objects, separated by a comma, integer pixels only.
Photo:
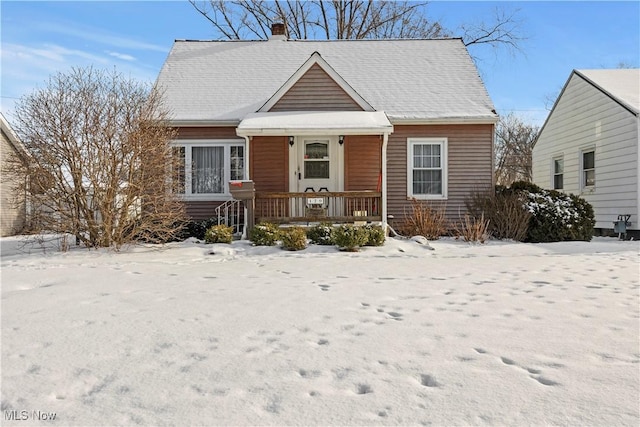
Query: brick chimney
[{"x": 278, "y": 31}]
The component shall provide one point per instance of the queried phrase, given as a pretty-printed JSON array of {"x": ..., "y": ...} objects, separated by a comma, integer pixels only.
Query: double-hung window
[
  {"x": 206, "y": 167},
  {"x": 588, "y": 172},
  {"x": 558, "y": 173},
  {"x": 427, "y": 168}
]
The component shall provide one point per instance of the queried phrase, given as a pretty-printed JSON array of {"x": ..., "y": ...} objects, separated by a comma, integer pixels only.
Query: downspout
[{"x": 383, "y": 202}]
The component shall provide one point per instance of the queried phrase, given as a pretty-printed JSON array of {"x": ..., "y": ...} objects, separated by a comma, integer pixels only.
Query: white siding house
[
  {"x": 13, "y": 203},
  {"x": 588, "y": 145}
]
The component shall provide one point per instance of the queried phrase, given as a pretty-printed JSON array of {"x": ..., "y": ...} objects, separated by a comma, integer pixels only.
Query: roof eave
[
  {"x": 445, "y": 120},
  {"x": 245, "y": 132},
  {"x": 204, "y": 123}
]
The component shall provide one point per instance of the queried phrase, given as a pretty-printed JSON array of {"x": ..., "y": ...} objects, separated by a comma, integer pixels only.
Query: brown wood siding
[
  {"x": 199, "y": 210},
  {"x": 269, "y": 163},
  {"x": 470, "y": 165},
  {"x": 362, "y": 162},
  {"x": 316, "y": 91},
  {"x": 207, "y": 133}
]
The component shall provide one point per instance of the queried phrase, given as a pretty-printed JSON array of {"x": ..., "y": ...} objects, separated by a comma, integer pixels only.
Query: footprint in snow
[
  {"x": 395, "y": 316},
  {"x": 428, "y": 381}
]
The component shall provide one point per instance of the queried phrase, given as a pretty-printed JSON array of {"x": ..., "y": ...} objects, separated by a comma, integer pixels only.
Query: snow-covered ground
[{"x": 193, "y": 334}]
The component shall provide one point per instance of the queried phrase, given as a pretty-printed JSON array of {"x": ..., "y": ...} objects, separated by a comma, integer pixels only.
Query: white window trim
[
  {"x": 443, "y": 142},
  {"x": 583, "y": 185},
  {"x": 227, "y": 144},
  {"x": 553, "y": 171}
]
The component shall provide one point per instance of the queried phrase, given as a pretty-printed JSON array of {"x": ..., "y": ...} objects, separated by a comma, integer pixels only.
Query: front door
[{"x": 318, "y": 165}]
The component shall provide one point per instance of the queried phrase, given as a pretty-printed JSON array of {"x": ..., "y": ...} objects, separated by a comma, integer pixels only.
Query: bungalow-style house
[
  {"x": 343, "y": 130},
  {"x": 13, "y": 202},
  {"x": 589, "y": 145}
]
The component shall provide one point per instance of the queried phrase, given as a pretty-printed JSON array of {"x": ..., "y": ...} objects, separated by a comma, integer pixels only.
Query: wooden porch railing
[{"x": 337, "y": 206}]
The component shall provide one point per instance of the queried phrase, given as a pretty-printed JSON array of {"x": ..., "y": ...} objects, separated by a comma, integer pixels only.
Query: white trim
[
  {"x": 584, "y": 188},
  {"x": 313, "y": 123},
  {"x": 226, "y": 144},
  {"x": 555, "y": 157},
  {"x": 443, "y": 142},
  {"x": 383, "y": 212},
  {"x": 315, "y": 58}
]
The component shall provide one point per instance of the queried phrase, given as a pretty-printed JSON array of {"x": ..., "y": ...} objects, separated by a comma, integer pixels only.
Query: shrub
[
  {"x": 557, "y": 216},
  {"x": 294, "y": 239},
  {"x": 349, "y": 237},
  {"x": 265, "y": 234},
  {"x": 198, "y": 229},
  {"x": 526, "y": 212},
  {"x": 504, "y": 210},
  {"x": 473, "y": 229},
  {"x": 219, "y": 234},
  {"x": 375, "y": 235},
  {"x": 321, "y": 234},
  {"x": 424, "y": 220}
]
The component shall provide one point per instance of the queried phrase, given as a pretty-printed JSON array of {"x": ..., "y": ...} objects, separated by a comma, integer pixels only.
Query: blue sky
[{"x": 41, "y": 38}]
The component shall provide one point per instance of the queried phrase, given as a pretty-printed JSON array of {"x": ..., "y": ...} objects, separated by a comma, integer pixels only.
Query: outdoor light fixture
[
  {"x": 291, "y": 141},
  {"x": 341, "y": 139}
]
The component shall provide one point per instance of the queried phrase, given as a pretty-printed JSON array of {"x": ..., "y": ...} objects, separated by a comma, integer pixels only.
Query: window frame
[
  {"x": 227, "y": 144},
  {"x": 443, "y": 143},
  {"x": 554, "y": 173},
  {"x": 583, "y": 172}
]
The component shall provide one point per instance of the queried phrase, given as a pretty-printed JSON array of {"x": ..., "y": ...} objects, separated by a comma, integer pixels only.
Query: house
[
  {"x": 338, "y": 130},
  {"x": 13, "y": 202},
  {"x": 588, "y": 145}
]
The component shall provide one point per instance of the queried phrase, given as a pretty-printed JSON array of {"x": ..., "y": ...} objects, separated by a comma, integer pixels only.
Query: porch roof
[{"x": 315, "y": 123}]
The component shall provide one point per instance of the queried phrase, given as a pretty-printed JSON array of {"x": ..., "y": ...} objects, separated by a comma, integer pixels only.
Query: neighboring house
[
  {"x": 336, "y": 130},
  {"x": 588, "y": 145},
  {"x": 13, "y": 202}
]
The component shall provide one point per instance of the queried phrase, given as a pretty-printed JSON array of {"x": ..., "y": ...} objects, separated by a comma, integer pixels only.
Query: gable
[{"x": 316, "y": 91}]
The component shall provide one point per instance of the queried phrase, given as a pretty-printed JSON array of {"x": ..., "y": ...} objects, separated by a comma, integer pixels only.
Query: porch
[{"x": 329, "y": 206}]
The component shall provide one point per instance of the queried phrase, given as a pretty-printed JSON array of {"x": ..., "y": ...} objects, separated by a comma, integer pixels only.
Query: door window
[{"x": 316, "y": 160}]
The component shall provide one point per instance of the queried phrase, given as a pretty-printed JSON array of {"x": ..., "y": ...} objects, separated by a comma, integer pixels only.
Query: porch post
[
  {"x": 248, "y": 222},
  {"x": 383, "y": 202}
]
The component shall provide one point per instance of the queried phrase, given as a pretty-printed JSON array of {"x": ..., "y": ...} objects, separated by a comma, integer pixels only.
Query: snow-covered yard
[{"x": 193, "y": 334}]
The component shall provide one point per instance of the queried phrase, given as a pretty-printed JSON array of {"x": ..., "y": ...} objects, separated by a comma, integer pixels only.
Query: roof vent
[{"x": 278, "y": 31}]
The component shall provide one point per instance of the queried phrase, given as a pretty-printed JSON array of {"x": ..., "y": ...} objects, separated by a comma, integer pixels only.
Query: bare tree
[
  {"x": 100, "y": 159},
  {"x": 348, "y": 19},
  {"x": 514, "y": 145}
]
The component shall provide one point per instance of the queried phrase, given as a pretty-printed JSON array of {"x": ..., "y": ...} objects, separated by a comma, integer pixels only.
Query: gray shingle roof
[
  {"x": 407, "y": 79},
  {"x": 621, "y": 84}
]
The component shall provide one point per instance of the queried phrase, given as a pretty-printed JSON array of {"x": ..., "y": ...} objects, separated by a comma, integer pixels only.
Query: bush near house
[
  {"x": 321, "y": 234},
  {"x": 375, "y": 235},
  {"x": 293, "y": 238},
  {"x": 503, "y": 209},
  {"x": 265, "y": 234},
  {"x": 424, "y": 220},
  {"x": 350, "y": 237},
  {"x": 219, "y": 234},
  {"x": 526, "y": 212},
  {"x": 198, "y": 229},
  {"x": 556, "y": 216}
]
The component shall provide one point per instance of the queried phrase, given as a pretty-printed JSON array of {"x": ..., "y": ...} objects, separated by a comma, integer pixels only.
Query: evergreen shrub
[
  {"x": 375, "y": 235},
  {"x": 219, "y": 234},
  {"x": 349, "y": 237},
  {"x": 321, "y": 234},
  {"x": 294, "y": 238},
  {"x": 265, "y": 234}
]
